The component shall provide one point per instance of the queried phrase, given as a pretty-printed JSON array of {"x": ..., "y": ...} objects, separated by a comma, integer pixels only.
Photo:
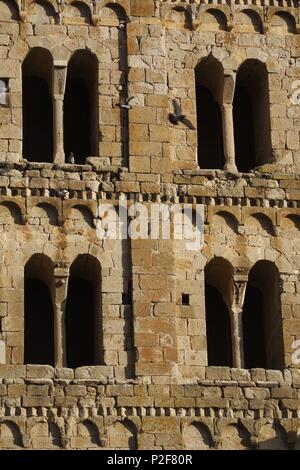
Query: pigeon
[
  {"x": 71, "y": 158},
  {"x": 62, "y": 193},
  {"x": 178, "y": 117},
  {"x": 124, "y": 104},
  {"x": 122, "y": 25},
  {"x": 3, "y": 93}
]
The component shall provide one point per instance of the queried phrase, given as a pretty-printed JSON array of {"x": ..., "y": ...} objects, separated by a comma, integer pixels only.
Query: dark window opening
[
  {"x": 251, "y": 115},
  {"x": 218, "y": 330},
  {"x": 80, "y": 323},
  {"x": 209, "y": 76},
  {"x": 254, "y": 329},
  {"x": 39, "y": 324},
  {"x": 185, "y": 299},
  {"x": 210, "y": 135},
  {"x": 262, "y": 321},
  {"x": 77, "y": 120},
  {"x": 243, "y": 130},
  {"x": 81, "y": 108},
  {"x": 37, "y": 107}
]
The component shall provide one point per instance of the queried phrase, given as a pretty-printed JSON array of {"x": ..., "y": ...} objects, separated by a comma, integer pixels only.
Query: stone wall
[
  {"x": 230, "y": 409},
  {"x": 165, "y": 41},
  {"x": 152, "y": 386}
]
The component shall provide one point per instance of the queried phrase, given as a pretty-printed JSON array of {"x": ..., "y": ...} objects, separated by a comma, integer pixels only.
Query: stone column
[
  {"x": 61, "y": 274},
  {"x": 240, "y": 279},
  {"x": 237, "y": 337},
  {"x": 59, "y": 154},
  {"x": 59, "y": 84},
  {"x": 227, "y": 123}
]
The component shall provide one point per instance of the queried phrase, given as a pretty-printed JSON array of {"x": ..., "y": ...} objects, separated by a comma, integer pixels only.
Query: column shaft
[
  {"x": 59, "y": 155},
  {"x": 228, "y": 137},
  {"x": 237, "y": 338}
]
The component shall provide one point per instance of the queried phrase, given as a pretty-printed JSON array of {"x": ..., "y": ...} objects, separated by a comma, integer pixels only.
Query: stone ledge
[{"x": 219, "y": 376}]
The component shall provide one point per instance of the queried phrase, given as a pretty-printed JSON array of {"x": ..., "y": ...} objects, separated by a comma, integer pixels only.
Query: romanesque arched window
[
  {"x": 83, "y": 313},
  {"x": 218, "y": 285},
  {"x": 81, "y": 132},
  {"x": 37, "y": 106},
  {"x": 251, "y": 115},
  {"x": 209, "y": 86},
  {"x": 38, "y": 311},
  {"x": 262, "y": 323}
]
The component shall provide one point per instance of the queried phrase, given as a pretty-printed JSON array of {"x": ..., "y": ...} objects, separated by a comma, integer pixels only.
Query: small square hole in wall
[
  {"x": 185, "y": 299},
  {"x": 4, "y": 92}
]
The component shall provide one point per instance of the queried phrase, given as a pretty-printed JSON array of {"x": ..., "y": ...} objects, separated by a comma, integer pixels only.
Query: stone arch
[
  {"x": 9, "y": 10},
  {"x": 178, "y": 16},
  {"x": 41, "y": 11},
  {"x": 213, "y": 19},
  {"x": 78, "y": 13},
  {"x": 197, "y": 436},
  {"x": 79, "y": 219},
  {"x": 272, "y": 437},
  {"x": 89, "y": 433},
  {"x": 261, "y": 309},
  {"x": 45, "y": 435},
  {"x": 224, "y": 221},
  {"x": 39, "y": 310},
  {"x": 81, "y": 99},
  {"x": 122, "y": 435},
  {"x": 112, "y": 10},
  {"x": 10, "y": 213},
  {"x": 46, "y": 214},
  {"x": 84, "y": 338},
  {"x": 290, "y": 222},
  {"x": 234, "y": 437},
  {"x": 37, "y": 70},
  {"x": 209, "y": 75},
  {"x": 218, "y": 294},
  {"x": 258, "y": 223},
  {"x": 10, "y": 435},
  {"x": 251, "y": 115},
  {"x": 282, "y": 22},
  {"x": 248, "y": 21},
  {"x": 55, "y": 435}
]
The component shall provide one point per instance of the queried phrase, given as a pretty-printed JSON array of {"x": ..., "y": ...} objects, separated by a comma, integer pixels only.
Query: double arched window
[
  {"x": 80, "y": 108},
  {"x": 233, "y": 116},
  {"x": 81, "y": 327},
  {"x": 260, "y": 322}
]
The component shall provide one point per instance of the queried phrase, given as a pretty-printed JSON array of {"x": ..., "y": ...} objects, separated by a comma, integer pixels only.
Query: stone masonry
[{"x": 152, "y": 383}]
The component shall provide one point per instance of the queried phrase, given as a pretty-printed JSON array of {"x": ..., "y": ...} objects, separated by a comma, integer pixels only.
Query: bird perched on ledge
[
  {"x": 63, "y": 193},
  {"x": 125, "y": 103},
  {"x": 178, "y": 117},
  {"x": 71, "y": 158}
]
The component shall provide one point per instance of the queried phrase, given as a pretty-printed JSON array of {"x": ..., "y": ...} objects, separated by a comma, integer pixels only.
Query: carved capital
[
  {"x": 240, "y": 279},
  {"x": 229, "y": 87},
  {"x": 96, "y": 20},
  {"x": 61, "y": 270}
]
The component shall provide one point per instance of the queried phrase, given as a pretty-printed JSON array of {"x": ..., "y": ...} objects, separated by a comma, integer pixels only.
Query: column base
[
  {"x": 59, "y": 158},
  {"x": 231, "y": 167}
]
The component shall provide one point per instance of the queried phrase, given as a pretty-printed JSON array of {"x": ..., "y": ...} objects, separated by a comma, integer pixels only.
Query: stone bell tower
[{"x": 141, "y": 342}]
